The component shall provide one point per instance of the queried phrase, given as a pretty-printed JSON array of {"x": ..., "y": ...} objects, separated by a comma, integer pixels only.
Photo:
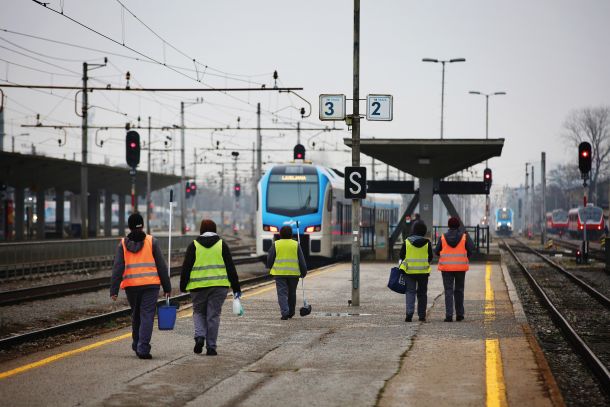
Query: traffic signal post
[{"x": 584, "y": 165}]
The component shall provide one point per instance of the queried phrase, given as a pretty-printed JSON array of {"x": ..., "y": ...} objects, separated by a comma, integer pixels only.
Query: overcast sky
[{"x": 549, "y": 56}]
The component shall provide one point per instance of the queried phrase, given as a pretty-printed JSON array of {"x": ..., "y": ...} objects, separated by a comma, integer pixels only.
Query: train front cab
[{"x": 291, "y": 193}]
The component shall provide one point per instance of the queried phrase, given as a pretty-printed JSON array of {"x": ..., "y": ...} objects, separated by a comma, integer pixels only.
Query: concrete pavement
[{"x": 326, "y": 359}]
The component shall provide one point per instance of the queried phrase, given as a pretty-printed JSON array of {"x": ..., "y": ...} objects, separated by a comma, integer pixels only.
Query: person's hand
[
  {"x": 114, "y": 297},
  {"x": 237, "y": 294}
]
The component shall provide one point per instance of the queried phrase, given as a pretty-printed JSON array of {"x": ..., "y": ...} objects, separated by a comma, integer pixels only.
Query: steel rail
[
  {"x": 597, "y": 254},
  {"x": 597, "y": 367},
  {"x": 74, "y": 287},
  {"x": 97, "y": 320},
  {"x": 605, "y": 301}
]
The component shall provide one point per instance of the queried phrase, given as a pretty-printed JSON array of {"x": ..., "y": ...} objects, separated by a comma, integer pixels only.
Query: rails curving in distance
[
  {"x": 598, "y": 368},
  {"x": 98, "y": 320},
  {"x": 76, "y": 287}
]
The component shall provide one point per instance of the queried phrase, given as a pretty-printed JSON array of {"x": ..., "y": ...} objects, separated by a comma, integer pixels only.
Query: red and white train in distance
[
  {"x": 557, "y": 222},
  {"x": 592, "y": 216}
]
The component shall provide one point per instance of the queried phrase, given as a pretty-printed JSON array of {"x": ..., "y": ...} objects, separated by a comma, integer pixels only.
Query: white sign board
[
  {"x": 379, "y": 107},
  {"x": 332, "y": 107}
]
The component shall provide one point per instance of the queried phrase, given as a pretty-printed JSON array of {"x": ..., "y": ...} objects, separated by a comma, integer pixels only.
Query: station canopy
[
  {"x": 430, "y": 158},
  {"x": 36, "y": 171}
]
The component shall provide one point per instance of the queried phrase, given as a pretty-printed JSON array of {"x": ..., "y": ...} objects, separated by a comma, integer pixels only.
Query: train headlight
[
  {"x": 508, "y": 224},
  {"x": 311, "y": 229},
  {"x": 268, "y": 228},
  {"x": 499, "y": 224}
]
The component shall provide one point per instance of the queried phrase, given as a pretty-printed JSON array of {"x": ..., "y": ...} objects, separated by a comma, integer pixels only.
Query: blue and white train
[
  {"x": 313, "y": 195},
  {"x": 504, "y": 221}
]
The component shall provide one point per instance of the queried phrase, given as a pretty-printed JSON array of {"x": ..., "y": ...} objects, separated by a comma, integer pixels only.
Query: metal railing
[{"x": 479, "y": 235}]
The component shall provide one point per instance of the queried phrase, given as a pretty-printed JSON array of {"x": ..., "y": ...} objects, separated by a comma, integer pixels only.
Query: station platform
[{"x": 337, "y": 356}]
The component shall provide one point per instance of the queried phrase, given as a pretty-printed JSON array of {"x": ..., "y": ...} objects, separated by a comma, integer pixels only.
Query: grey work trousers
[
  {"x": 207, "y": 305},
  {"x": 143, "y": 303},
  {"x": 453, "y": 281},
  {"x": 417, "y": 283},
  {"x": 287, "y": 294}
]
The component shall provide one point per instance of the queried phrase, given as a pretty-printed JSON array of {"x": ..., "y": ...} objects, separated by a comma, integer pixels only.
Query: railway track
[
  {"x": 99, "y": 320},
  {"x": 581, "y": 312},
  {"x": 594, "y": 253},
  {"x": 76, "y": 287}
]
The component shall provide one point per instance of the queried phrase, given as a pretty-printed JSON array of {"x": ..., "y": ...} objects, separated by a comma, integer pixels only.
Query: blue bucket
[{"x": 167, "y": 317}]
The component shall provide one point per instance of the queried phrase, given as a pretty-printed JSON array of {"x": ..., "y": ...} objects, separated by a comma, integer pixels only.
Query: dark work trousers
[
  {"x": 143, "y": 303},
  {"x": 287, "y": 294},
  {"x": 417, "y": 283},
  {"x": 207, "y": 306},
  {"x": 453, "y": 281}
]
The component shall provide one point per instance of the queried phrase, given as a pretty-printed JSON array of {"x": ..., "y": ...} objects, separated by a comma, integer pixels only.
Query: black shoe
[
  {"x": 199, "y": 342},
  {"x": 284, "y": 317},
  {"x": 291, "y": 315},
  {"x": 422, "y": 319},
  {"x": 459, "y": 318},
  {"x": 134, "y": 347},
  {"x": 144, "y": 355},
  {"x": 409, "y": 318},
  {"x": 211, "y": 352},
  {"x": 449, "y": 319}
]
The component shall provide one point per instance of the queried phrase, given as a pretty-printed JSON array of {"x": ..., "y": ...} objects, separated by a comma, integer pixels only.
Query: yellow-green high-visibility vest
[
  {"x": 286, "y": 258},
  {"x": 416, "y": 259},
  {"x": 209, "y": 269}
]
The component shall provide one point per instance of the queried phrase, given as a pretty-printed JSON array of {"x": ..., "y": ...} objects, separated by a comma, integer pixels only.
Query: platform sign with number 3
[
  {"x": 379, "y": 107},
  {"x": 332, "y": 107}
]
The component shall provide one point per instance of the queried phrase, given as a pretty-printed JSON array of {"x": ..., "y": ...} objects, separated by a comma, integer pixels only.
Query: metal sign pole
[{"x": 356, "y": 160}]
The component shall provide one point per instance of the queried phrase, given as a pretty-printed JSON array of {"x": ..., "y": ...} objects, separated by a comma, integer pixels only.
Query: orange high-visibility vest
[
  {"x": 453, "y": 258},
  {"x": 140, "y": 267}
]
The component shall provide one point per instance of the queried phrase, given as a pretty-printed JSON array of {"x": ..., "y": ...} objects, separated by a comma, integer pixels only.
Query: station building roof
[
  {"x": 430, "y": 158},
  {"x": 36, "y": 171}
]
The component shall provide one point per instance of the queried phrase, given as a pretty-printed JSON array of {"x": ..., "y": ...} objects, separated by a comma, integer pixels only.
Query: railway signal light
[
  {"x": 188, "y": 189},
  {"x": 487, "y": 178},
  {"x": 132, "y": 150},
  {"x": 193, "y": 189},
  {"x": 584, "y": 158},
  {"x": 237, "y": 189},
  {"x": 299, "y": 152}
]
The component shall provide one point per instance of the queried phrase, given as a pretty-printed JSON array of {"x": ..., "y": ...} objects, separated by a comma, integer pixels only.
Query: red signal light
[
  {"x": 299, "y": 155},
  {"x": 132, "y": 144},
  {"x": 193, "y": 187},
  {"x": 585, "y": 153},
  {"x": 237, "y": 188}
]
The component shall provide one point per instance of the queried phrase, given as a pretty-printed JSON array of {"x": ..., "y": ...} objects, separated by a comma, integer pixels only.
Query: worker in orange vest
[
  {"x": 139, "y": 268},
  {"x": 454, "y": 248}
]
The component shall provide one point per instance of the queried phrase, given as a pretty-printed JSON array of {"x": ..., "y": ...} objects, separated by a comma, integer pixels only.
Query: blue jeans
[
  {"x": 417, "y": 283},
  {"x": 453, "y": 281}
]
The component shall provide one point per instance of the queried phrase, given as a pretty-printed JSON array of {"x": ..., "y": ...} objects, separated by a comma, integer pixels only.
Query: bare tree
[{"x": 592, "y": 125}]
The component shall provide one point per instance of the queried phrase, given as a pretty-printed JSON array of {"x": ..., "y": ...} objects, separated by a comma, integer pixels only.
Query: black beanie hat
[
  {"x": 135, "y": 221},
  {"x": 453, "y": 223}
]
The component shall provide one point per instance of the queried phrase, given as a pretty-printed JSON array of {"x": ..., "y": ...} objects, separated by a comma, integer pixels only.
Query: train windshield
[
  {"x": 292, "y": 190},
  {"x": 560, "y": 216},
  {"x": 590, "y": 214},
  {"x": 504, "y": 215}
]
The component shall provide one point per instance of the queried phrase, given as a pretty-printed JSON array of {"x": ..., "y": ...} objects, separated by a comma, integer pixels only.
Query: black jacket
[
  {"x": 208, "y": 241},
  {"x": 453, "y": 237},
  {"x": 302, "y": 264},
  {"x": 134, "y": 243},
  {"x": 417, "y": 241}
]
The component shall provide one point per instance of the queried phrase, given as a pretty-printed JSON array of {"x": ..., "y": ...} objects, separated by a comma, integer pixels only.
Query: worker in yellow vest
[
  {"x": 207, "y": 273},
  {"x": 454, "y": 248},
  {"x": 139, "y": 268},
  {"x": 416, "y": 255},
  {"x": 287, "y": 263}
]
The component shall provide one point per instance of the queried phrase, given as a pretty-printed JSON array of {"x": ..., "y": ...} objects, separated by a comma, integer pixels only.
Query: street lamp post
[
  {"x": 443, "y": 62},
  {"x": 487, "y": 95}
]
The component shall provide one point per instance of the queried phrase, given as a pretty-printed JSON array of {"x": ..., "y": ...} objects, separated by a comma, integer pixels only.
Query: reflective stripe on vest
[
  {"x": 286, "y": 258},
  {"x": 416, "y": 259},
  {"x": 140, "y": 267},
  {"x": 209, "y": 269},
  {"x": 453, "y": 258}
]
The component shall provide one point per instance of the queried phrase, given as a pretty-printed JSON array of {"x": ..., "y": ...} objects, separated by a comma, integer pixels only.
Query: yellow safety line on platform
[
  {"x": 494, "y": 377},
  {"x": 54, "y": 358},
  {"x": 50, "y": 359}
]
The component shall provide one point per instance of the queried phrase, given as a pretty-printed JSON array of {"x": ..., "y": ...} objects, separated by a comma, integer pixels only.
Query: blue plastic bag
[{"x": 398, "y": 281}]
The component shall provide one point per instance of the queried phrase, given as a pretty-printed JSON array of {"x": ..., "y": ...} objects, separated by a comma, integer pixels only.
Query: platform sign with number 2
[
  {"x": 379, "y": 107},
  {"x": 332, "y": 107}
]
